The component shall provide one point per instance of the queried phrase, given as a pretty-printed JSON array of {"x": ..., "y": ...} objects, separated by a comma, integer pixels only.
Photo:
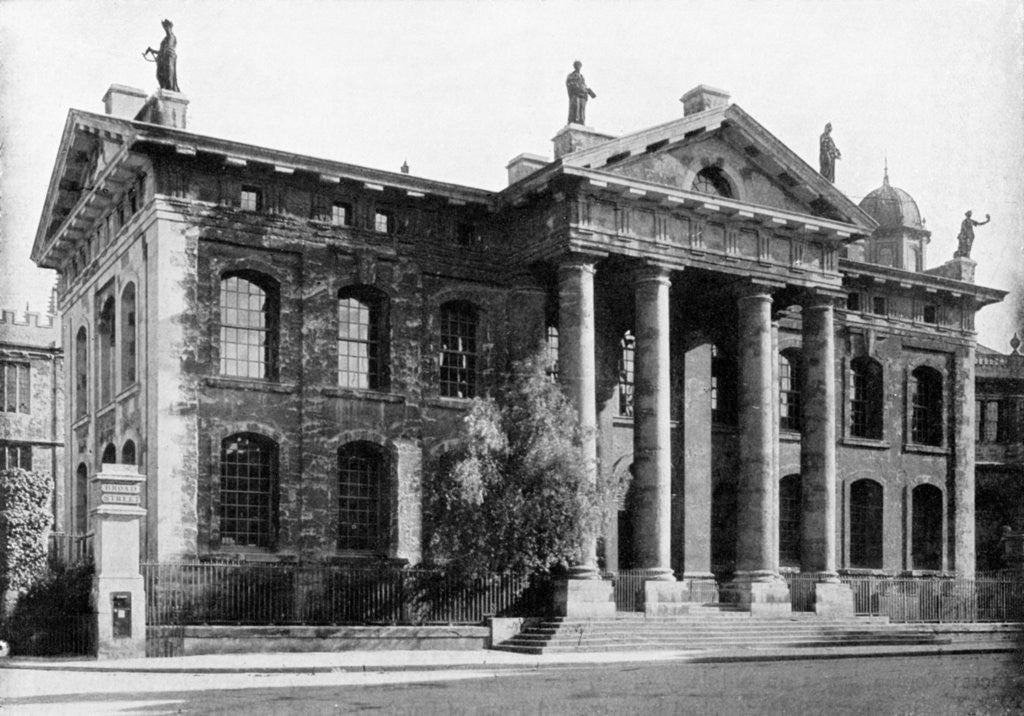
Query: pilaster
[{"x": 963, "y": 462}]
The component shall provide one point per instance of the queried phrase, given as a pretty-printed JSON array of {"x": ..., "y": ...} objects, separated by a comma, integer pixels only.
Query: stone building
[
  {"x": 32, "y": 395},
  {"x": 285, "y": 345}
]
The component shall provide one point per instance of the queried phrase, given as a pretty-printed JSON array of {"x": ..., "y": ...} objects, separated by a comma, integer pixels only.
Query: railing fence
[{"x": 69, "y": 548}]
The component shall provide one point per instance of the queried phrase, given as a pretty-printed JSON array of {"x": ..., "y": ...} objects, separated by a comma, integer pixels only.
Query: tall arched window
[
  {"x": 128, "y": 453},
  {"x": 109, "y": 454},
  {"x": 362, "y": 338},
  {"x": 926, "y": 525},
  {"x": 789, "y": 521},
  {"x": 81, "y": 372},
  {"x": 866, "y": 524},
  {"x": 248, "y": 325},
  {"x": 458, "y": 350},
  {"x": 627, "y": 373},
  {"x": 711, "y": 180},
  {"x": 926, "y": 406},
  {"x": 789, "y": 389},
  {"x": 81, "y": 499},
  {"x": 248, "y": 491},
  {"x": 106, "y": 336},
  {"x": 363, "y": 517},
  {"x": 866, "y": 398},
  {"x": 128, "y": 339}
]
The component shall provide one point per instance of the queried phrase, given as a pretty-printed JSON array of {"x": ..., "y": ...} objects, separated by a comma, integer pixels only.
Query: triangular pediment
[{"x": 723, "y": 152}]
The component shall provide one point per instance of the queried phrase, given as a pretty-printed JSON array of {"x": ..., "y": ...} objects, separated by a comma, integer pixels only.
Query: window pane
[
  {"x": 244, "y": 335},
  {"x": 362, "y": 507},
  {"x": 247, "y": 471},
  {"x": 458, "y": 351}
]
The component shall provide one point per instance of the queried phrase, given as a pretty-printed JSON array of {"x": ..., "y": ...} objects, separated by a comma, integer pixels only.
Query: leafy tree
[
  {"x": 24, "y": 522},
  {"x": 516, "y": 494}
]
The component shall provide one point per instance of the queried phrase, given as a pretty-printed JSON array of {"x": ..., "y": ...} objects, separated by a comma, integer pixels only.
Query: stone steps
[{"x": 713, "y": 631}]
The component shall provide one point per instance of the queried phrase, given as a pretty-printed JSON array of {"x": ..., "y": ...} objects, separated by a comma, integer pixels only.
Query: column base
[
  {"x": 762, "y": 593},
  {"x": 833, "y": 600},
  {"x": 663, "y": 598},
  {"x": 587, "y": 598}
]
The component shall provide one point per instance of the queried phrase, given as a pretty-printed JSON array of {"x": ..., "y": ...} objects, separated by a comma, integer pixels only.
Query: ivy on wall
[{"x": 24, "y": 522}]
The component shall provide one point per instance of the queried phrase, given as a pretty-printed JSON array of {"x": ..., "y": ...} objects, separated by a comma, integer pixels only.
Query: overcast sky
[{"x": 459, "y": 88}]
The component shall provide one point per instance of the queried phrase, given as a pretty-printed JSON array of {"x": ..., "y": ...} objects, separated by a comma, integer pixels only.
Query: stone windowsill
[
  {"x": 80, "y": 421},
  {"x": 109, "y": 407},
  {"x": 362, "y": 394},
  {"x": 926, "y": 449},
  {"x": 789, "y": 436},
  {"x": 438, "y": 401},
  {"x": 248, "y": 554},
  {"x": 866, "y": 443},
  {"x": 627, "y": 421},
  {"x": 862, "y": 572},
  {"x": 255, "y": 384}
]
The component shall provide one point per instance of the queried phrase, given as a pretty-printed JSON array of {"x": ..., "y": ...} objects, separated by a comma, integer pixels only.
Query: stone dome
[{"x": 892, "y": 207}]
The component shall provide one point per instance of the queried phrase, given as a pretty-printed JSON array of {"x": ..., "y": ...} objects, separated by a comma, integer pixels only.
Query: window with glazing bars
[
  {"x": 362, "y": 504},
  {"x": 359, "y": 342},
  {"x": 789, "y": 521},
  {"x": 458, "y": 351},
  {"x": 926, "y": 406},
  {"x": 551, "y": 352},
  {"x": 248, "y": 481},
  {"x": 248, "y": 325},
  {"x": 789, "y": 390},
  {"x": 866, "y": 399},
  {"x": 987, "y": 417},
  {"x": 15, "y": 388},
  {"x": 12, "y": 456},
  {"x": 382, "y": 221},
  {"x": 627, "y": 367}
]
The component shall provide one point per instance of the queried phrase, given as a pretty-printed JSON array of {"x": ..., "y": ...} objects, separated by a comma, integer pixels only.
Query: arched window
[
  {"x": 363, "y": 517},
  {"x": 81, "y": 499},
  {"x": 106, "y": 335},
  {"x": 81, "y": 372},
  {"x": 362, "y": 338},
  {"x": 627, "y": 373},
  {"x": 109, "y": 454},
  {"x": 711, "y": 180},
  {"x": 458, "y": 350},
  {"x": 866, "y": 524},
  {"x": 128, "y": 453},
  {"x": 128, "y": 339},
  {"x": 926, "y": 406},
  {"x": 866, "y": 398},
  {"x": 926, "y": 526},
  {"x": 789, "y": 389},
  {"x": 248, "y": 325},
  {"x": 248, "y": 491},
  {"x": 723, "y": 387},
  {"x": 789, "y": 521}
]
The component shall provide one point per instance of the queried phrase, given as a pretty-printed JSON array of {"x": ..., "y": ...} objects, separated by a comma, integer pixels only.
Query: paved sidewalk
[{"x": 380, "y": 661}]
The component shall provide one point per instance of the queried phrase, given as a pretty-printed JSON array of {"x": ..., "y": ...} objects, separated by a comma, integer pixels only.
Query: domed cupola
[{"x": 900, "y": 238}]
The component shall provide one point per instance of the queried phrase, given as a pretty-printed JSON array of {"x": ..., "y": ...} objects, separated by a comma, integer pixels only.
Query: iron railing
[
  {"x": 254, "y": 593},
  {"x": 51, "y": 635},
  {"x": 628, "y": 586},
  {"x": 70, "y": 548},
  {"x": 801, "y": 590}
]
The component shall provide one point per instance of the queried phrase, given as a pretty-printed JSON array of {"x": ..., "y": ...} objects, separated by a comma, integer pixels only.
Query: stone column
[
  {"x": 652, "y": 432},
  {"x": 696, "y": 427},
  {"x": 118, "y": 591},
  {"x": 757, "y": 584},
  {"x": 962, "y": 392},
  {"x": 583, "y": 594},
  {"x": 818, "y": 459}
]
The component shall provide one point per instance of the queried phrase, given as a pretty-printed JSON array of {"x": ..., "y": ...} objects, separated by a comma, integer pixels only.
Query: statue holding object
[
  {"x": 965, "y": 239},
  {"x": 828, "y": 154},
  {"x": 578, "y": 91},
  {"x": 166, "y": 59}
]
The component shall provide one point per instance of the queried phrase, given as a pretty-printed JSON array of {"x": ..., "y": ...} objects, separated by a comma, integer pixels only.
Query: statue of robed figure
[
  {"x": 965, "y": 239},
  {"x": 827, "y": 154},
  {"x": 166, "y": 59}
]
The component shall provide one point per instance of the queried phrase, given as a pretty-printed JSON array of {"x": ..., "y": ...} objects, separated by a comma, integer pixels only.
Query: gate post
[{"x": 118, "y": 590}]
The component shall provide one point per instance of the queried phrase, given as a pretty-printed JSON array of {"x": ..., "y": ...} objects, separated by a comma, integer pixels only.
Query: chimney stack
[
  {"x": 702, "y": 98},
  {"x": 123, "y": 101},
  {"x": 524, "y": 165}
]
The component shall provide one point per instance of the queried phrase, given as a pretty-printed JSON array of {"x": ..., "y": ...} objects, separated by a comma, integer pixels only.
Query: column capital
[
  {"x": 579, "y": 261},
  {"x": 652, "y": 272},
  {"x": 754, "y": 289},
  {"x": 818, "y": 298}
]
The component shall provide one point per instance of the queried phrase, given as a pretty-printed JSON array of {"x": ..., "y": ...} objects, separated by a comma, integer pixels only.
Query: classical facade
[
  {"x": 285, "y": 345},
  {"x": 32, "y": 396}
]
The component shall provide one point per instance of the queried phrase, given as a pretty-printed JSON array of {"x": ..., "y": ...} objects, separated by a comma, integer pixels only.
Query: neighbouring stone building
[
  {"x": 32, "y": 396},
  {"x": 285, "y": 345}
]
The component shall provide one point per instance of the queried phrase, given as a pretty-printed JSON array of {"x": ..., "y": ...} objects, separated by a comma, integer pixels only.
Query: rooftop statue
[
  {"x": 578, "y": 94},
  {"x": 965, "y": 239},
  {"x": 166, "y": 59},
  {"x": 828, "y": 153}
]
